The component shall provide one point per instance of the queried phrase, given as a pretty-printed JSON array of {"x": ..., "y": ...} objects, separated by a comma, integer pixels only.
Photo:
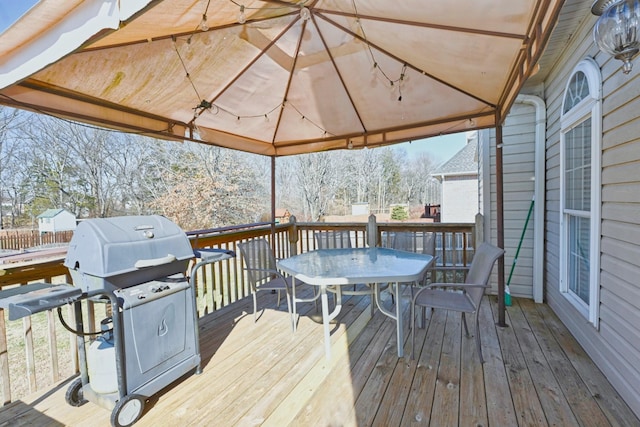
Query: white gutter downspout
[{"x": 538, "y": 193}]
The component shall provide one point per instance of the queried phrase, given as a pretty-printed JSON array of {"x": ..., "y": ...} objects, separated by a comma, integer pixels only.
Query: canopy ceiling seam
[
  {"x": 335, "y": 67},
  {"x": 408, "y": 63},
  {"x": 35, "y": 85},
  {"x": 451, "y": 28},
  {"x": 62, "y": 115},
  {"x": 289, "y": 79},
  {"x": 88, "y": 48}
]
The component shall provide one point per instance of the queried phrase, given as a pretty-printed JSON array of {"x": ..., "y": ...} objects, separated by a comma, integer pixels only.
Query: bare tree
[
  {"x": 318, "y": 179},
  {"x": 211, "y": 187},
  {"x": 11, "y": 186}
]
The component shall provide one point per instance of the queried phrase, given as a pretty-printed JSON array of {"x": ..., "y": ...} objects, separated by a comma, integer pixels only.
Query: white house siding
[
  {"x": 459, "y": 198},
  {"x": 62, "y": 221},
  {"x": 518, "y": 163},
  {"x": 615, "y": 346}
]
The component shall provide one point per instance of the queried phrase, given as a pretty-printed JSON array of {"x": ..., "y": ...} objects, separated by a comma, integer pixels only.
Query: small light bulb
[
  {"x": 305, "y": 14},
  {"x": 203, "y": 24},
  {"x": 374, "y": 69},
  {"x": 350, "y": 145},
  {"x": 242, "y": 18},
  {"x": 266, "y": 118}
]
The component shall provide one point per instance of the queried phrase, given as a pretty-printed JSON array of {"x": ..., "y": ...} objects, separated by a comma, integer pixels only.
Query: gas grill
[{"x": 136, "y": 264}]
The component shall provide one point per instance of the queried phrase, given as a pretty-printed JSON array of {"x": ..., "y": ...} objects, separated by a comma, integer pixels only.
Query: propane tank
[{"x": 101, "y": 361}]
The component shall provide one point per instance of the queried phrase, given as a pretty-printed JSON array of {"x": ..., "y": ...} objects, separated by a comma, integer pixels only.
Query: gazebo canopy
[{"x": 295, "y": 77}]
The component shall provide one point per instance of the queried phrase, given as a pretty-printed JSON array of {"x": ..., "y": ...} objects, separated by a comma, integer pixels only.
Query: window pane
[
  {"x": 578, "y": 167},
  {"x": 578, "y": 90},
  {"x": 578, "y": 262}
]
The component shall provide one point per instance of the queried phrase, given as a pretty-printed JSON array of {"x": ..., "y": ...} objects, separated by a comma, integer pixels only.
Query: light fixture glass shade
[{"x": 617, "y": 31}]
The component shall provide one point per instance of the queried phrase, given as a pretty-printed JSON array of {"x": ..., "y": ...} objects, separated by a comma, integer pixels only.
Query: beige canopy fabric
[{"x": 297, "y": 76}]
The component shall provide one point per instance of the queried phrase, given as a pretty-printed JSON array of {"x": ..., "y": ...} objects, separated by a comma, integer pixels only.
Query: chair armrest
[
  {"x": 456, "y": 285},
  {"x": 271, "y": 271}
]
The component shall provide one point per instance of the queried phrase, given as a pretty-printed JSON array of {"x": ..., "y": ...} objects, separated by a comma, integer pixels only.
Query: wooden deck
[{"x": 535, "y": 374}]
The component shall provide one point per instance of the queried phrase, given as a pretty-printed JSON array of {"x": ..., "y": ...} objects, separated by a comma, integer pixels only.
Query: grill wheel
[
  {"x": 127, "y": 411},
  {"x": 74, "y": 395}
]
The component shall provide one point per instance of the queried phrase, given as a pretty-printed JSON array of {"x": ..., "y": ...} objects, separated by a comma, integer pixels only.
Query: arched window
[{"x": 580, "y": 142}]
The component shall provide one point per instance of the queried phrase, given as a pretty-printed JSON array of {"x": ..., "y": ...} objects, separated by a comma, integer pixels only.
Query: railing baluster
[
  {"x": 53, "y": 346},
  {"x": 4, "y": 361},
  {"x": 29, "y": 355}
]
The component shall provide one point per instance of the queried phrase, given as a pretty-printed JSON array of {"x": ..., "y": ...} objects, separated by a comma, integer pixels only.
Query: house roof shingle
[{"x": 463, "y": 162}]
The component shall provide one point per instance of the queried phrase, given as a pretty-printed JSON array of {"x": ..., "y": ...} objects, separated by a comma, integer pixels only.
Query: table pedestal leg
[
  {"x": 397, "y": 316},
  {"x": 328, "y": 317}
]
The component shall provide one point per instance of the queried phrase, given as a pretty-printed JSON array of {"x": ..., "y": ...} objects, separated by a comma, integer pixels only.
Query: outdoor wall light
[{"x": 617, "y": 29}]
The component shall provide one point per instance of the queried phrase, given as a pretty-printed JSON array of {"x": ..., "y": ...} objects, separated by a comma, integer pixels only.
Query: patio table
[{"x": 349, "y": 266}]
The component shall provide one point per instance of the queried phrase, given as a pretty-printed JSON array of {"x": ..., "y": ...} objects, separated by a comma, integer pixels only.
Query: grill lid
[{"x": 105, "y": 247}]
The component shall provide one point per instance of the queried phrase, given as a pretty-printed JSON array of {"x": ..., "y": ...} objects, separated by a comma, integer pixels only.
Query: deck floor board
[{"x": 261, "y": 373}]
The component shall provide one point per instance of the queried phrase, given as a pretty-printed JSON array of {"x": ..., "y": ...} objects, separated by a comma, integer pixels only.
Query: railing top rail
[
  {"x": 227, "y": 228},
  {"x": 332, "y": 225},
  {"x": 425, "y": 226}
]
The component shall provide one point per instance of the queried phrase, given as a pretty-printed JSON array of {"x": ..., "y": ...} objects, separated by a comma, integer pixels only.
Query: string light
[
  {"x": 305, "y": 14},
  {"x": 242, "y": 18},
  {"x": 204, "y": 105},
  {"x": 376, "y": 69},
  {"x": 203, "y": 24}
]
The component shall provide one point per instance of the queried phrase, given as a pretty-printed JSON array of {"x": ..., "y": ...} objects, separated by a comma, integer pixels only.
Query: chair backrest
[
  {"x": 258, "y": 259},
  {"x": 485, "y": 257},
  {"x": 333, "y": 239},
  {"x": 421, "y": 242}
]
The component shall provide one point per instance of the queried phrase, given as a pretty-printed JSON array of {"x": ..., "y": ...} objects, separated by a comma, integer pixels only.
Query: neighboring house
[
  {"x": 282, "y": 216},
  {"x": 572, "y": 140},
  {"x": 459, "y": 183},
  {"x": 53, "y": 220}
]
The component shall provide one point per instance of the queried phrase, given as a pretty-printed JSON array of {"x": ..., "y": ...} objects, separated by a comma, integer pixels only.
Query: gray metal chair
[
  {"x": 263, "y": 274},
  {"x": 462, "y": 297},
  {"x": 419, "y": 242},
  {"x": 333, "y": 239},
  {"x": 341, "y": 239}
]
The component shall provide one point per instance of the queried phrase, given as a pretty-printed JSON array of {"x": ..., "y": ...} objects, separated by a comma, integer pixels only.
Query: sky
[
  {"x": 11, "y": 10},
  {"x": 441, "y": 148}
]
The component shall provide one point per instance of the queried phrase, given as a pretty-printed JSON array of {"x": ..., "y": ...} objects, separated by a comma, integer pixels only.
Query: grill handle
[{"x": 154, "y": 262}]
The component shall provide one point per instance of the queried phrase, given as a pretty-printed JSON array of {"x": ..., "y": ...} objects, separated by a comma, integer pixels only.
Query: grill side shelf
[{"x": 26, "y": 300}]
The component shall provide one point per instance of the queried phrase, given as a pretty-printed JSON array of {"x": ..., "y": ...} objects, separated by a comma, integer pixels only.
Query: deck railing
[{"x": 36, "y": 352}]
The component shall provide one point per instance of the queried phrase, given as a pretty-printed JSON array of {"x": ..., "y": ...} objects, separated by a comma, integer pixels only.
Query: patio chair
[
  {"x": 341, "y": 240},
  {"x": 420, "y": 242},
  {"x": 462, "y": 297},
  {"x": 333, "y": 239},
  {"x": 263, "y": 274}
]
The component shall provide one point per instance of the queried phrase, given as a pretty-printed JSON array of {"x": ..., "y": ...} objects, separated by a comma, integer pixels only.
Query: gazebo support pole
[
  {"x": 273, "y": 205},
  {"x": 500, "y": 225}
]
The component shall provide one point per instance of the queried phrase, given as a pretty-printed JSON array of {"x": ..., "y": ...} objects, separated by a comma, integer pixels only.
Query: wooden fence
[{"x": 23, "y": 239}]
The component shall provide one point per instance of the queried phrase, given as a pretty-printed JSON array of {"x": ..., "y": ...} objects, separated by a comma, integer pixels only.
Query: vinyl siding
[
  {"x": 518, "y": 158},
  {"x": 615, "y": 346}
]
